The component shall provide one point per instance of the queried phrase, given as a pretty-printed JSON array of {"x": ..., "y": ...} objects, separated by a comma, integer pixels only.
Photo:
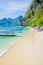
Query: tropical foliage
[{"x": 34, "y": 14}]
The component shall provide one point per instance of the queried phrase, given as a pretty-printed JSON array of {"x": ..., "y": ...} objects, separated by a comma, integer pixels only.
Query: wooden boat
[{"x": 7, "y": 35}]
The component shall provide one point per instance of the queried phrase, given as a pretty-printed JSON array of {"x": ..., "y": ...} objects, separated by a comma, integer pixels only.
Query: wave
[{"x": 3, "y": 52}]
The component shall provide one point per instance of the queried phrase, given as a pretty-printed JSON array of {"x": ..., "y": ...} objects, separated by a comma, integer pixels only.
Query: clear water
[
  {"x": 6, "y": 41},
  {"x": 11, "y": 30}
]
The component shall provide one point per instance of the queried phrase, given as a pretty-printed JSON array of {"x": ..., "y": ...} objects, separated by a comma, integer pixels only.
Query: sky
[{"x": 13, "y": 8}]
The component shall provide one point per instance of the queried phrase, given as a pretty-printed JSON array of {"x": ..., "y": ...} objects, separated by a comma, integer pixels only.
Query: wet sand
[{"x": 27, "y": 51}]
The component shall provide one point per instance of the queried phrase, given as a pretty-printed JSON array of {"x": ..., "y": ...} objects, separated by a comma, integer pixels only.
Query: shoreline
[
  {"x": 6, "y": 50},
  {"x": 14, "y": 42}
]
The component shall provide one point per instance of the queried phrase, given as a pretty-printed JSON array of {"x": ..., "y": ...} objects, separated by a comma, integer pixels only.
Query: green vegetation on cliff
[{"x": 34, "y": 14}]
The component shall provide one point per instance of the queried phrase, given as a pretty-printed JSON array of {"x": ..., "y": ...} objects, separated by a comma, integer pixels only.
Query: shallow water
[{"x": 6, "y": 41}]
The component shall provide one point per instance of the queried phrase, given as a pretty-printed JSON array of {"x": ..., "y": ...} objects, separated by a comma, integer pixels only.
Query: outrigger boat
[{"x": 7, "y": 35}]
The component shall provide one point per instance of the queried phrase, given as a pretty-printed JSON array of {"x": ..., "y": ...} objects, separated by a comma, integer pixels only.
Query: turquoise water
[{"x": 7, "y": 41}]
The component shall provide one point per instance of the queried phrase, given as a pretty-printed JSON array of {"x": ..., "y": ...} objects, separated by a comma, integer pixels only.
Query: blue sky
[{"x": 13, "y": 8}]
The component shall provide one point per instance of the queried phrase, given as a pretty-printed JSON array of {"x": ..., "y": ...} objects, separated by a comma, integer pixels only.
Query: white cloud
[{"x": 12, "y": 6}]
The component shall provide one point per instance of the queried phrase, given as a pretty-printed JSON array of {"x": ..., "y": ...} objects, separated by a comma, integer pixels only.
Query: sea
[{"x": 7, "y": 41}]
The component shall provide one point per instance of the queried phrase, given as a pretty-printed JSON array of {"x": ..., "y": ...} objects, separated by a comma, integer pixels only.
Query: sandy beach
[{"x": 27, "y": 51}]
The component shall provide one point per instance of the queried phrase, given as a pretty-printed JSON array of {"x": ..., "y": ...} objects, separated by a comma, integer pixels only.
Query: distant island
[{"x": 10, "y": 21}]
